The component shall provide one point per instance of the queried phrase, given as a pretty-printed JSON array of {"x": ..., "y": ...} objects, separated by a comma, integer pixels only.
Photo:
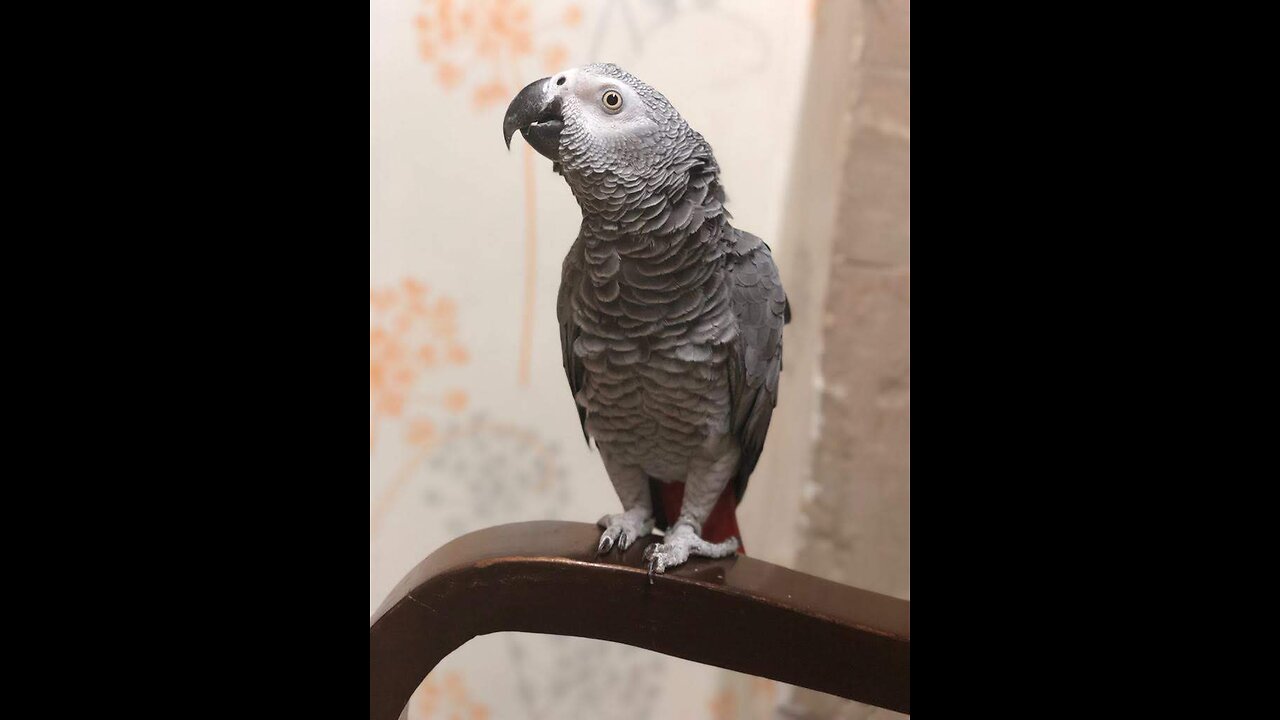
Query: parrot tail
[{"x": 721, "y": 524}]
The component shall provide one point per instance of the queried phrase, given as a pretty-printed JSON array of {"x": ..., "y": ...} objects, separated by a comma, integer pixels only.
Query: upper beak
[{"x": 535, "y": 112}]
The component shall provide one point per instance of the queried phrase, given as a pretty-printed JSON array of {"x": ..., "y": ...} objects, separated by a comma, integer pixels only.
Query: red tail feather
[{"x": 721, "y": 524}]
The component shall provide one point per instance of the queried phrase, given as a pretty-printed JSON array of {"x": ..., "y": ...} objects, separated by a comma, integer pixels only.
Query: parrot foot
[
  {"x": 681, "y": 542},
  {"x": 622, "y": 529}
]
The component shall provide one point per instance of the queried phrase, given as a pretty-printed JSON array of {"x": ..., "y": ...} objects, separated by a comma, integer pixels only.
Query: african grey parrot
[{"x": 670, "y": 318}]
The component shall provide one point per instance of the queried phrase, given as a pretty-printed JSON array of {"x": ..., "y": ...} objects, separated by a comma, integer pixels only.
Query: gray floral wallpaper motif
[
  {"x": 488, "y": 472},
  {"x": 574, "y": 674}
]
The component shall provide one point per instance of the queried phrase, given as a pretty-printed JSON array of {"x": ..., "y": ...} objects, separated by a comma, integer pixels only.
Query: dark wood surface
[{"x": 738, "y": 613}]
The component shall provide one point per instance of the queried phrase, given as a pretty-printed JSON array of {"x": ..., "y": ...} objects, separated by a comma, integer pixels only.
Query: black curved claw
[
  {"x": 653, "y": 565},
  {"x": 606, "y": 543},
  {"x": 622, "y": 540}
]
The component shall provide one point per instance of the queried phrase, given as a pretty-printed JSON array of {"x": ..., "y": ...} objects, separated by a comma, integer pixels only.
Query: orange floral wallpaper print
[
  {"x": 410, "y": 333},
  {"x": 490, "y": 44},
  {"x": 447, "y": 696}
]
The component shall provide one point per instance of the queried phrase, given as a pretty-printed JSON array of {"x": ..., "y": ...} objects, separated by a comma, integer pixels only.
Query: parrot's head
[{"x": 604, "y": 130}]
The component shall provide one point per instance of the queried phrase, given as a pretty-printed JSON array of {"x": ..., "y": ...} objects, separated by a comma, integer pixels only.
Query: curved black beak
[{"x": 535, "y": 112}]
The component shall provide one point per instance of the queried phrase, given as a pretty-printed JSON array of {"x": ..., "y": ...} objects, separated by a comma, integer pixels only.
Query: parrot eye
[{"x": 612, "y": 101}]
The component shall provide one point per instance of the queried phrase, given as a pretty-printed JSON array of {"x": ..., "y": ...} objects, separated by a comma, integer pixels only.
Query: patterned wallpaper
[{"x": 470, "y": 420}]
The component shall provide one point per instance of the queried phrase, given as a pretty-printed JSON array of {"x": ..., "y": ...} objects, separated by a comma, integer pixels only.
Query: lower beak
[{"x": 535, "y": 112}]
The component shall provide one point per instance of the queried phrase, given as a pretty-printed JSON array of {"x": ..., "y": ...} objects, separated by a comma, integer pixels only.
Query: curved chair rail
[{"x": 737, "y": 613}]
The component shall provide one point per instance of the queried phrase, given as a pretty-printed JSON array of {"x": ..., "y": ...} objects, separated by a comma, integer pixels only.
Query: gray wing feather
[
  {"x": 761, "y": 308},
  {"x": 570, "y": 279}
]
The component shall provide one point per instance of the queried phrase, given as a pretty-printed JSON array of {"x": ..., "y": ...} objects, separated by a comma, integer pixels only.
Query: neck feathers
[{"x": 676, "y": 200}]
